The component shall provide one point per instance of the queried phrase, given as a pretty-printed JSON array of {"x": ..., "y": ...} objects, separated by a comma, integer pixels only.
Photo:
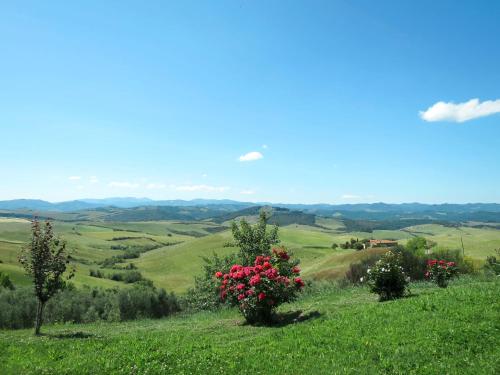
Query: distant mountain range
[{"x": 143, "y": 209}]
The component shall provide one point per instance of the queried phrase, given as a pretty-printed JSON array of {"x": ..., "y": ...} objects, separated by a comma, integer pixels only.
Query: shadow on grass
[
  {"x": 292, "y": 317},
  {"x": 68, "y": 335}
]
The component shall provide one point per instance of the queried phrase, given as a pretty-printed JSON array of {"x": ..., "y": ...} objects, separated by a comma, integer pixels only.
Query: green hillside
[
  {"x": 453, "y": 331},
  {"x": 171, "y": 252}
]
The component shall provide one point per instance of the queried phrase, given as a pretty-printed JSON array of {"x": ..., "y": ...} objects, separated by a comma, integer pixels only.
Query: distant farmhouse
[{"x": 383, "y": 243}]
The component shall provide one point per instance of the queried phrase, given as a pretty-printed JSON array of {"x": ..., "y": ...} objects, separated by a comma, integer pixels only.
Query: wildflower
[{"x": 218, "y": 274}]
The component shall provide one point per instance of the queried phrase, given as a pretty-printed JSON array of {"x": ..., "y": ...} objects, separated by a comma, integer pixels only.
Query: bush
[
  {"x": 132, "y": 277},
  {"x": 492, "y": 265},
  {"x": 359, "y": 270},
  {"x": 387, "y": 278},
  {"x": 204, "y": 295},
  {"x": 441, "y": 271},
  {"x": 18, "y": 307},
  {"x": 5, "y": 281},
  {"x": 257, "y": 290}
]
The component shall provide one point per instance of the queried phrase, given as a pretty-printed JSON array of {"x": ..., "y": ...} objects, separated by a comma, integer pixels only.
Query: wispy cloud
[
  {"x": 205, "y": 188},
  {"x": 251, "y": 156},
  {"x": 460, "y": 112},
  {"x": 122, "y": 184},
  {"x": 75, "y": 178},
  {"x": 247, "y": 192},
  {"x": 93, "y": 180},
  {"x": 265, "y": 146}
]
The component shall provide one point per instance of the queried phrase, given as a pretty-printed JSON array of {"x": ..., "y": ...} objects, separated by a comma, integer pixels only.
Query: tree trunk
[{"x": 38, "y": 319}]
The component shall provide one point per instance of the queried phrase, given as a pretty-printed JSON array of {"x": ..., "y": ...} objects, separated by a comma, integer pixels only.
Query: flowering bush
[
  {"x": 257, "y": 290},
  {"x": 387, "y": 278},
  {"x": 441, "y": 271}
]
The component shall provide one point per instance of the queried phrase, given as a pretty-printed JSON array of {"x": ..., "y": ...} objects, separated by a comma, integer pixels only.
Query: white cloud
[
  {"x": 247, "y": 192},
  {"x": 251, "y": 156},
  {"x": 204, "y": 175},
  {"x": 264, "y": 147},
  {"x": 350, "y": 196},
  {"x": 74, "y": 178},
  {"x": 156, "y": 186},
  {"x": 460, "y": 112},
  {"x": 94, "y": 180},
  {"x": 126, "y": 185},
  {"x": 206, "y": 188}
]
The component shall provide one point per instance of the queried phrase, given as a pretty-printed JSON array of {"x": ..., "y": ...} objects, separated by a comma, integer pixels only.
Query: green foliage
[
  {"x": 204, "y": 295},
  {"x": 45, "y": 260},
  {"x": 417, "y": 245},
  {"x": 254, "y": 240},
  {"x": 5, "y": 281},
  {"x": 387, "y": 278},
  {"x": 18, "y": 307},
  {"x": 358, "y": 270},
  {"x": 492, "y": 264}
]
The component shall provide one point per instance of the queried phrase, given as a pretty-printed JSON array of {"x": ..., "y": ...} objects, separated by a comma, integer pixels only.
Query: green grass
[{"x": 436, "y": 331}]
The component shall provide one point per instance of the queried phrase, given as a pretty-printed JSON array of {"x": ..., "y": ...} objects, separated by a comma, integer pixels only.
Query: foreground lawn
[{"x": 451, "y": 331}]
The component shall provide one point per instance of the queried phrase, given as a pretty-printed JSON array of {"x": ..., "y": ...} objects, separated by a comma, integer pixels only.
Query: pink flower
[
  {"x": 267, "y": 265},
  {"x": 250, "y": 292},
  {"x": 272, "y": 273},
  {"x": 240, "y": 286},
  {"x": 255, "y": 280},
  {"x": 261, "y": 296},
  {"x": 240, "y": 297},
  {"x": 218, "y": 274},
  {"x": 296, "y": 269},
  {"x": 299, "y": 282}
]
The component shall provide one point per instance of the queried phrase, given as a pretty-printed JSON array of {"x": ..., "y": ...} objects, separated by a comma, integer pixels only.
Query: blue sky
[{"x": 162, "y": 99}]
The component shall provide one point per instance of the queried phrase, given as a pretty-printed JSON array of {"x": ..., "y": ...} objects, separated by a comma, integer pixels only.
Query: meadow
[
  {"x": 171, "y": 252},
  {"x": 330, "y": 330}
]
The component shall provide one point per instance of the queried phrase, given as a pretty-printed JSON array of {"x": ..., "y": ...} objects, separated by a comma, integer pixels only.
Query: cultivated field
[{"x": 171, "y": 251}]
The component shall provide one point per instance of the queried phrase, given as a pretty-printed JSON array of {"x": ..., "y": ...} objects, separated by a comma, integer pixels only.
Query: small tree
[
  {"x": 254, "y": 240},
  {"x": 45, "y": 260}
]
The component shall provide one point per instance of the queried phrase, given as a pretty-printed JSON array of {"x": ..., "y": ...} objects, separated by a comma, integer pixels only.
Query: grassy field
[
  {"x": 175, "y": 249},
  {"x": 435, "y": 331}
]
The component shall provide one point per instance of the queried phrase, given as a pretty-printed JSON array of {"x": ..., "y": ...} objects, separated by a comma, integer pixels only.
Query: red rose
[
  {"x": 218, "y": 274},
  {"x": 259, "y": 259},
  {"x": 240, "y": 297},
  {"x": 272, "y": 273},
  {"x": 250, "y": 292},
  {"x": 240, "y": 286},
  {"x": 255, "y": 280},
  {"x": 296, "y": 270},
  {"x": 299, "y": 282},
  {"x": 267, "y": 265},
  {"x": 261, "y": 296}
]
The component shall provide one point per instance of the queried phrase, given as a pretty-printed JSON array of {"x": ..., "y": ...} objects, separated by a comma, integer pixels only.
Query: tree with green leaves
[
  {"x": 45, "y": 260},
  {"x": 254, "y": 240}
]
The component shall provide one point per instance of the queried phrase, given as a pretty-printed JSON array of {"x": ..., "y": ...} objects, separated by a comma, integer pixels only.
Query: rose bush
[
  {"x": 258, "y": 289},
  {"x": 387, "y": 278},
  {"x": 441, "y": 271}
]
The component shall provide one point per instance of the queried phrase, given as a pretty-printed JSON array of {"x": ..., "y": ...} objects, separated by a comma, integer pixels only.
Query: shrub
[
  {"x": 441, "y": 271},
  {"x": 387, "y": 278},
  {"x": 359, "y": 270},
  {"x": 205, "y": 294},
  {"x": 5, "y": 281},
  {"x": 492, "y": 265},
  {"x": 142, "y": 300},
  {"x": 257, "y": 290}
]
